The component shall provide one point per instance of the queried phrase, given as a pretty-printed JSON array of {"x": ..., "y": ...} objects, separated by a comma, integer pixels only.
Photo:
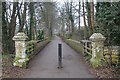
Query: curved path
[{"x": 44, "y": 65}]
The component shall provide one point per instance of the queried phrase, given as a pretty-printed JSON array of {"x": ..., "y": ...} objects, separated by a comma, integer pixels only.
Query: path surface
[{"x": 44, "y": 65}]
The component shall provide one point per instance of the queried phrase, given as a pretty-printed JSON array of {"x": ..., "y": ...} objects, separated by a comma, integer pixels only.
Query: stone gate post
[
  {"x": 20, "y": 49},
  {"x": 97, "y": 59}
]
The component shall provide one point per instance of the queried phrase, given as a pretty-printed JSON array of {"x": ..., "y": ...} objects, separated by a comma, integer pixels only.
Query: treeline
[
  {"x": 28, "y": 17},
  {"x": 103, "y": 17},
  {"x": 107, "y": 21}
]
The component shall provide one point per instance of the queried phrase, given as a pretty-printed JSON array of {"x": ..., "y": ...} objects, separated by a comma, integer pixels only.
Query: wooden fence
[
  {"x": 83, "y": 46},
  {"x": 87, "y": 48}
]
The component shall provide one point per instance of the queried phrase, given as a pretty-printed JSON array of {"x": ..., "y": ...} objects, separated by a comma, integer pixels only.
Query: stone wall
[{"x": 114, "y": 54}]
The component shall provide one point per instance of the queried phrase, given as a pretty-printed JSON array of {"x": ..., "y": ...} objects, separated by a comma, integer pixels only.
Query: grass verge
[{"x": 76, "y": 46}]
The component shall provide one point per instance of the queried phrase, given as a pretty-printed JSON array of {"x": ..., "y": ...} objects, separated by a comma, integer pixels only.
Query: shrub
[{"x": 40, "y": 35}]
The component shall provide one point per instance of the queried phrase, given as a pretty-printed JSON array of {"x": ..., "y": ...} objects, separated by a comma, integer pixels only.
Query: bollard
[{"x": 59, "y": 55}]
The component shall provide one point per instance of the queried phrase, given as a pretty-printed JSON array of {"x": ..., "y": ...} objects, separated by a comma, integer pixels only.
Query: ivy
[
  {"x": 108, "y": 22},
  {"x": 40, "y": 35}
]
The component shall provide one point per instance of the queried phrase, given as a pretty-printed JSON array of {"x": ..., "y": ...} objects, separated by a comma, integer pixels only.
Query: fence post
[
  {"x": 97, "y": 59},
  {"x": 59, "y": 55},
  {"x": 20, "y": 49},
  {"x": 86, "y": 46},
  {"x": 83, "y": 48}
]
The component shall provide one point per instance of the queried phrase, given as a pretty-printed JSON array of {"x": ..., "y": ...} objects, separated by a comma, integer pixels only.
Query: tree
[
  {"x": 84, "y": 19},
  {"x": 107, "y": 23},
  {"x": 22, "y": 17},
  {"x": 62, "y": 20},
  {"x": 92, "y": 15},
  {"x": 1, "y": 27},
  {"x": 4, "y": 30},
  {"x": 48, "y": 11},
  {"x": 79, "y": 15},
  {"x": 9, "y": 17},
  {"x": 8, "y": 28},
  {"x": 69, "y": 17},
  {"x": 33, "y": 33},
  {"x": 88, "y": 10}
]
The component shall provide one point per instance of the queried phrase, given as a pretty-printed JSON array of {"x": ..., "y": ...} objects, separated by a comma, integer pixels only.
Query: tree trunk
[
  {"x": 79, "y": 16},
  {"x": 71, "y": 19},
  {"x": 4, "y": 30},
  {"x": 62, "y": 30},
  {"x": 84, "y": 19},
  {"x": 31, "y": 21},
  {"x": 92, "y": 15},
  {"x": 79, "y": 21},
  {"x": 1, "y": 27},
  {"x": 12, "y": 27},
  {"x": 23, "y": 18},
  {"x": 89, "y": 17}
]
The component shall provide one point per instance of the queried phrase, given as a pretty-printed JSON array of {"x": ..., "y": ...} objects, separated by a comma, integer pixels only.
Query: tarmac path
[{"x": 45, "y": 64}]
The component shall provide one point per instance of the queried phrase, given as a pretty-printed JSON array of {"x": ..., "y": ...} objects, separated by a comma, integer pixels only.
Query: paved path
[{"x": 44, "y": 65}]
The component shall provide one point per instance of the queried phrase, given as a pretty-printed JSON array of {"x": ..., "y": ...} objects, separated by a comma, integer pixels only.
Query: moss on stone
[
  {"x": 98, "y": 62},
  {"x": 95, "y": 62},
  {"x": 18, "y": 61}
]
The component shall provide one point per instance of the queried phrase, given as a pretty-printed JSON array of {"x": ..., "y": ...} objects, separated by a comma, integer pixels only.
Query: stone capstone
[
  {"x": 20, "y": 36},
  {"x": 97, "y": 37}
]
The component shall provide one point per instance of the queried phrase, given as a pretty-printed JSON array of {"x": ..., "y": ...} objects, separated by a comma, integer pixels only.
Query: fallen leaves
[
  {"x": 9, "y": 71},
  {"x": 105, "y": 72}
]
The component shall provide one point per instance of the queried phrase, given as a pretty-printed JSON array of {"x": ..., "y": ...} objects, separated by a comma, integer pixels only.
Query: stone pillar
[
  {"x": 97, "y": 59},
  {"x": 20, "y": 48}
]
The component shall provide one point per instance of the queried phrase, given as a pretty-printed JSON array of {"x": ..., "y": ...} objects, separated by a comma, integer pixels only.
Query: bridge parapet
[
  {"x": 97, "y": 50},
  {"x": 20, "y": 49}
]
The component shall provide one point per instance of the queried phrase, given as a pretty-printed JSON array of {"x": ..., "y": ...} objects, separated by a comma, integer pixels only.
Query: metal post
[{"x": 59, "y": 55}]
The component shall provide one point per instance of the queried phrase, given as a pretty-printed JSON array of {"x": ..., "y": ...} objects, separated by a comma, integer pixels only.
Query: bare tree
[
  {"x": 85, "y": 31},
  {"x": 22, "y": 17},
  {"x": 92, "y": 15},
  {"x": 88, "y": 8},
  {"x": 48, "y": 11},
  {"x": 79, "y": 15}
]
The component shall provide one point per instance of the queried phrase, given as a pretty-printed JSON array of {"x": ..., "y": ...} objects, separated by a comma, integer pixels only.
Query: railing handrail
[
  {"x": 86, "y": 48},
  {"x": 74, "y": 40}
]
